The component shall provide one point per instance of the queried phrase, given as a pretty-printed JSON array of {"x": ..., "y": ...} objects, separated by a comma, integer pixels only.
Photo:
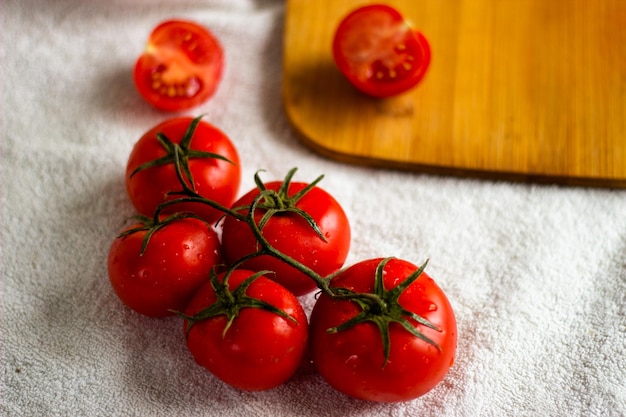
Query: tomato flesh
[
  {"x": 379, "y": 52},
  {"x": 180, "y": 67}
]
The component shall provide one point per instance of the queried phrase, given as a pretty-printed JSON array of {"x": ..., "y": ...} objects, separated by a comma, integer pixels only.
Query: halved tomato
[
  {"x": 379, "y": 52},
  {"x": 181, "y": 66}
]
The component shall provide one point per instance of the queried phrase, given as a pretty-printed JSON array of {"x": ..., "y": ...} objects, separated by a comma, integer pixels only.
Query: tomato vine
[{"x": 380, "y": 307}]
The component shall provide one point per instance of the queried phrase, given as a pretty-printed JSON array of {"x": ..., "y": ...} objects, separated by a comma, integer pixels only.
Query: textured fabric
[{"x": 536, "y": 273}]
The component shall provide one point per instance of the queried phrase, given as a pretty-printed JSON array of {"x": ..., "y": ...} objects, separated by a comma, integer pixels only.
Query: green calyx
[
  {"x": 230, "y": 303},
  {"x": 382, "y": 308},
  {"x": 180, "y": 153},
  {"x": 152, "y": 225},
  {"x": 273, "y": 202}
]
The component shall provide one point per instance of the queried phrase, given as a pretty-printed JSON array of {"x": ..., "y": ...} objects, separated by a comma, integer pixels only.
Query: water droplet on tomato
[
  {"x": 432, "y": 307},
  {"x": 353, "y": 359}
]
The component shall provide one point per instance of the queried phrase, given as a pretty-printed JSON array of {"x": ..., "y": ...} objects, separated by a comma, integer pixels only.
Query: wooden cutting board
[{"x": 518, "y": 90}]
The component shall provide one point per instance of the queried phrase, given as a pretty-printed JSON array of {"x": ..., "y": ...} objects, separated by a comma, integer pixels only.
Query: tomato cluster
[
  {"x": 380, "y": 330},
  {"x": 233, "y": 268}
]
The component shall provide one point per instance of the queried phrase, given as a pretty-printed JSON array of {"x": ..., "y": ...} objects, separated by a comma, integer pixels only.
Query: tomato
[
  {"x": 290, "y": 233},
  {"x": 379, "y": 52},
  {"x": 352, "y": 357},
  {"x": 177, "y": 259},
  {"x": 237, "y": 337},
  {"x": 180, "y": 67},
  {"x": 210, "y": 156}
]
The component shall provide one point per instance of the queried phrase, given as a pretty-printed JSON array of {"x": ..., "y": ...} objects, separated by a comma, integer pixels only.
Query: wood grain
[{"x": 521, "y": 90}]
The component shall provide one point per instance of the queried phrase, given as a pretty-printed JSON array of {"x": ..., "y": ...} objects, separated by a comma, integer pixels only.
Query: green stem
[
  {"x": 268, "y": 249},
  {"x": 190, "y": 195},
  {"x": 198, "y": 199}
]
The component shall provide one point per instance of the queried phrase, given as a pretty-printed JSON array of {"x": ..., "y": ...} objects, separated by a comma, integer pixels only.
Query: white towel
[{"x": 536, "y": 273}]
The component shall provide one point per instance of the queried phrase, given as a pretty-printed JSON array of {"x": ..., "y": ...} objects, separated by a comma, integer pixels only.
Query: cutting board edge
[{"x": 440, "y": 170}]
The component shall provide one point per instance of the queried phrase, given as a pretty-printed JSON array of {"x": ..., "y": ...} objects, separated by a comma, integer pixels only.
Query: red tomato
[
  {"x": 290, "y": 234},
  {"x": 176, "y": 261},
  {"x": 260, "y": 349},
  {"x": 180, "y": 67},
  {"x": 379, "y": 52},
  {"x": 202, "y": 149},
  {"x": 353, "y": 359}
]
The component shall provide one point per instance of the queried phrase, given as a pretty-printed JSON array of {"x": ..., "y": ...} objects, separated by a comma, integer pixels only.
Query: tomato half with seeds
[
  {"x": 159, "y": 274},
  {"x": 395, "y": 343},
  {"x": 379, "y": 51},
  {"x": 180, "y": 67},
  {"x": 247, "y": 330},
  {"x": 209, "y": 164}
]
